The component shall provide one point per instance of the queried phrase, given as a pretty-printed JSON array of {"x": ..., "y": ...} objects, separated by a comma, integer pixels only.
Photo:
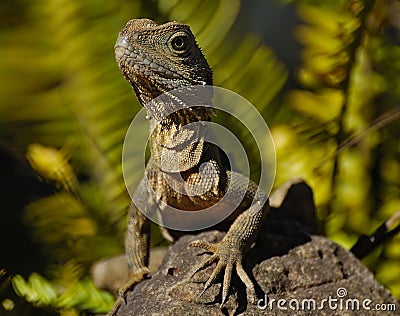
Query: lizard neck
[
  {"x": 169, "y": 137},
  {"x": 171, "y": 111},
  {"x": 176, "y": 145}
]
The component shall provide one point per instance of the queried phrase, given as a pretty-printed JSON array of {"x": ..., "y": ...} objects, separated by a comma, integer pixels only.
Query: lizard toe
[
  {"x": 204, "y": 264},
  {"x": 227, "y": 281},
  {"x": 250, "y": 290},
  {"x": 205, "y": 245}
]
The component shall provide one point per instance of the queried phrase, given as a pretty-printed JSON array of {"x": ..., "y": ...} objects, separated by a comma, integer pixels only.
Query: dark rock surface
[{"x": 310, "y": 275}]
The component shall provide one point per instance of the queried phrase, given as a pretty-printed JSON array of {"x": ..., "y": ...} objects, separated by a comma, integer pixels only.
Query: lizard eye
[{"x": 179, "y": 42}]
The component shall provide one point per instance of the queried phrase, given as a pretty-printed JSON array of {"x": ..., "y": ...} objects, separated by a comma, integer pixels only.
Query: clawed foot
[
  {"x": 228, "y": 256},
  {"x": 123, "y": 291}
]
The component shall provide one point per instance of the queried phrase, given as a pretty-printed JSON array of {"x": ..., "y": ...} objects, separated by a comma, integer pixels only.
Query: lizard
[{"x": 156, "y": 59}]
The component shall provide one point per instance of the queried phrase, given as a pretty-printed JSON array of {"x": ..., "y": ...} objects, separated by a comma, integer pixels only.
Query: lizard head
[{"x": 159, "y": 58}]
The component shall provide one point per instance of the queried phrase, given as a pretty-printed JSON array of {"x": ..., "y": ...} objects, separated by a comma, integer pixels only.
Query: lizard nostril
[
  {"x": 119, "y": 52},
  {"x": 120, "y": 47}
]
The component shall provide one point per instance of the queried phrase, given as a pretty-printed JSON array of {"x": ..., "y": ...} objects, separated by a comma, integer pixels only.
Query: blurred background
[{"x": 324, "y": 74}]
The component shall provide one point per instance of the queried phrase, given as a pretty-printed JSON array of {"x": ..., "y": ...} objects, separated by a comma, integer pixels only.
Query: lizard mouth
[{"x": 138, "y": 63}]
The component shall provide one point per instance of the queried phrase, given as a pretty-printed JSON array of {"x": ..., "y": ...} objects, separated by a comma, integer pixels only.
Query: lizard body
[{"x": 156, "y": 59}]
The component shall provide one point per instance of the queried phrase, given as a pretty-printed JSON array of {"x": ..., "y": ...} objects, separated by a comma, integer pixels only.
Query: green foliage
[
  {"x": 80, "y": 295},
  {"x": 348, "y": 101}
]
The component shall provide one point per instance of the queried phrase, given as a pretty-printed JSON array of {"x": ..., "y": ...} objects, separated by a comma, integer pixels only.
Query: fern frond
[{"x": 79, "y": 294}]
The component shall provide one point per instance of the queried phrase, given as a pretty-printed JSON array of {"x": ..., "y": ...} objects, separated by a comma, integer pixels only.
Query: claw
[
  {"x": 204, "y": 264},
  {"x": 130, "y": 283},
  {"x": 223, "y": 301},
  {"x": 204, "y": 290},
  {"x": 123, "y": 298}
]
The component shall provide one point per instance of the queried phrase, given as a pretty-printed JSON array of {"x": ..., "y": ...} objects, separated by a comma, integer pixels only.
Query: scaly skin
[{"x": 156, "y": 59}]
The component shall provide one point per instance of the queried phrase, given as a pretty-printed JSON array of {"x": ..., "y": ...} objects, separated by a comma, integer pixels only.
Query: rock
[
  {"x": 294, "y": 273},
  {"x": 110, "y": 273}
]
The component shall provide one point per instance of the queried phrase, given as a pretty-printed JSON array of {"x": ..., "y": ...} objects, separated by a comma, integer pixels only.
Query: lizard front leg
[
  {"x": 137, "y": 242},
  {"x": 230, "y": 252}
]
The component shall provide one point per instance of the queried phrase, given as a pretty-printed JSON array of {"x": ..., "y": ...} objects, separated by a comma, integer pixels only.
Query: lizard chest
[
  {"x": 174, "y": 191},
  {"x": 185, "y": 193}
]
